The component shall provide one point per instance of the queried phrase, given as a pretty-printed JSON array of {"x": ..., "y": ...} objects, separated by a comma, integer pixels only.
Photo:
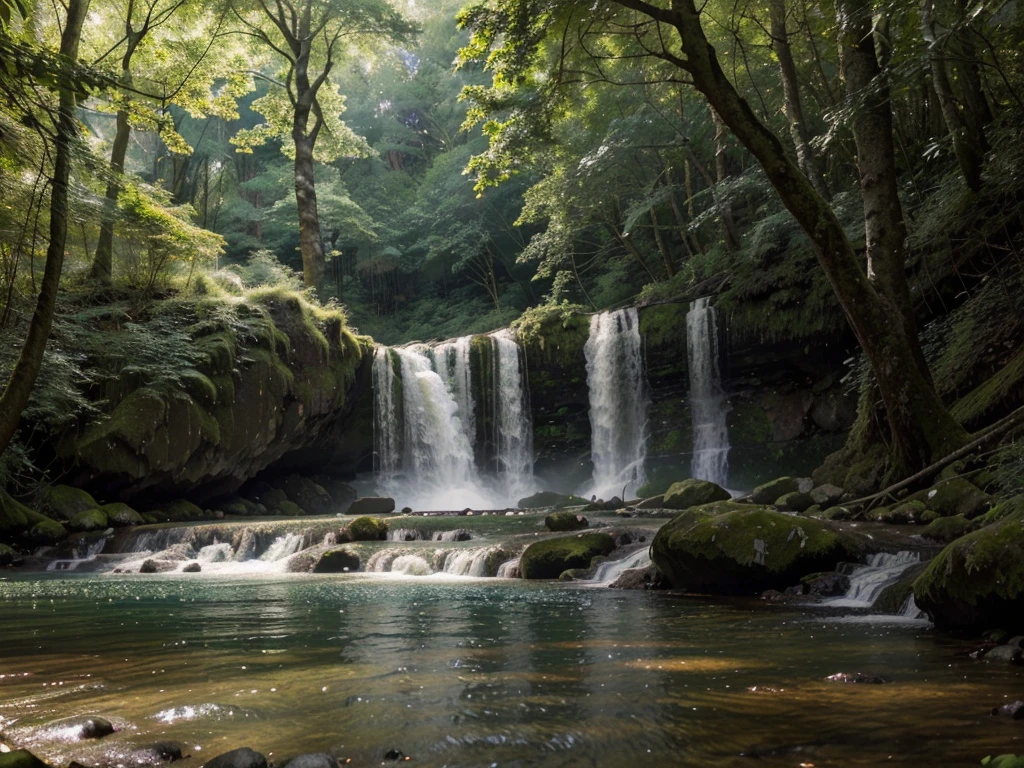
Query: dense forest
[{"x": 323, "y": 297}]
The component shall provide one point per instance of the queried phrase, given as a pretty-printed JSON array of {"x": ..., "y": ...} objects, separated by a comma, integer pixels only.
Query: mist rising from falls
[
  {"x": 708, "y": 405},
  {"x": 618, "y": 403},
  {"x": 432, "y": 451}
]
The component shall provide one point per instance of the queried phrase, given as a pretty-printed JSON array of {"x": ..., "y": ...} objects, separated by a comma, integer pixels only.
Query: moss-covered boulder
[
  {"x": 366, "y": 529},
  {"x": 746, "y": 551},
  {"x": 241, "y": 508},
  {"x": 1004, "y": 761},
  {"x": 90, "y": 520},
  {"x": 119, "y": 513},
  {"x": 20, "y": 758},
  {"x": 337, "y": 561},
  {"x": 178, "y": 511},
  {"x": 977, "y": 581},
  {"x": 797, "y": 501},
  {"x": 947, "y": 529},
  {"x": 770, "y": 492},
  {"x": 956, "y": 496},
  {"x": 19, "y": 523},
  {"x": 694, "y": 493},
  {"x": 543, "y": 499},
  {"x": 290, "y": 509},
  {"x": 307, "y": 494},
  {"x": 905, "y": 513},
  {"x": 372, "y": 505},
  {"x": 565, "y": 521},
  {"x": 893, "y": 598},
  {"x": 8, "y": 556},
  {"x": 64, "y": 502},
  {"x": 548, "y": 559}
]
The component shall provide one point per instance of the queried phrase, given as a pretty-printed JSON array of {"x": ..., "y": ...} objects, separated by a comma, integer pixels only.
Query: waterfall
[
  {"x": 868, "y": 581},
  {"x": 608, "y": 571},
  {"x": 708, "y": 406},
  {"x": 386, "y": 438},
  {"x": 618, "y": 403},
  {"x": 512, "y": 419},
  {"x": 451, "y": 361}
]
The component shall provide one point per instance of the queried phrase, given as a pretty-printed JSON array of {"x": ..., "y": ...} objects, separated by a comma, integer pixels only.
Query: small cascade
[
  {"x": 85, "y": 552},
  {"x": 608, "y": 571},
  {"x": 708, "y": 406},
  {"x": 283, "y": 547},
  {"x": 868, "y": 581},
  {"x": 509, "y": 569},
  {"x": 512, "y": 418},
  {"x": 911, "y": 611},
  {"x": 618, "y": 403},
  {"x": 474, "y": 562}
]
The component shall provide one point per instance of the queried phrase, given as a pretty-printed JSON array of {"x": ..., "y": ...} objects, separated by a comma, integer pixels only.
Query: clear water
[{"x": 473, "y": 673}]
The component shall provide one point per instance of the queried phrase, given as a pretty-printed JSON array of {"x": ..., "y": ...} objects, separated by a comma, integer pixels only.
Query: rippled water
[{"x": 473, "y": 673}]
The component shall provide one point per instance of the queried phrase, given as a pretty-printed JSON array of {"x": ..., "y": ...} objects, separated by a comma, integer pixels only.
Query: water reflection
[{"x": 468, "y": 674}]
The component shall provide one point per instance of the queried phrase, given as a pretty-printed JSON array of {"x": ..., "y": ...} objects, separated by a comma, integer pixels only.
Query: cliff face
[
  {"x": 267, "y": 380},
  {"x": 787, "y": 407}
]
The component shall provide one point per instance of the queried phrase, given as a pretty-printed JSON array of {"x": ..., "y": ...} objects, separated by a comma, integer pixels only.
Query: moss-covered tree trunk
[
  {"x": 102, "y": 269},
  {"x": 23, "y": 378},
  {"x": 921, "y": 426}
]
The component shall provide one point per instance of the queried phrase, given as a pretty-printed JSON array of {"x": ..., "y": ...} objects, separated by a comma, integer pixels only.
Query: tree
[
  {"x": 303, "y": 109},
  {"x": 565, "y": 38},
  {"x": 65, "y": 132}
]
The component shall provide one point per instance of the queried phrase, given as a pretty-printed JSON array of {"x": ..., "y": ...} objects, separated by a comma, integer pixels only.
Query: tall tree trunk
[
  {"x": 310, "y": 242},
  {"x": 921, "y": 425},
  {"x": 23, "y": 378},
  {"x": 102, "y": 269},
  {"x": 805, "y": 157},
  {"x": 966, "y": 147},
  {"x": 666, "y": 256},
  {"x": 732, "y": 240},
  {"x": 884, "y": 228}
]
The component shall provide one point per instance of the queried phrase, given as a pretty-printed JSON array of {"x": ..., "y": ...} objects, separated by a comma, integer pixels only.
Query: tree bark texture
[{"x": 26, "y": 369}]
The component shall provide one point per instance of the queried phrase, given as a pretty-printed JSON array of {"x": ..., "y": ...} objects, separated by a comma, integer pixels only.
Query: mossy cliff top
[{"x": 201, "y": 393}]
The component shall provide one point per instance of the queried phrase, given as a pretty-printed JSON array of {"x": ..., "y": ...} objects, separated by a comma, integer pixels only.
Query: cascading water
[
  {"x": 512, "y": 419},
  {"x": 868, "y": 581},
  {"x": 426, "y": 413},
  {"x": 618, "y": 403},
  {"x": 708, "y": 405}
]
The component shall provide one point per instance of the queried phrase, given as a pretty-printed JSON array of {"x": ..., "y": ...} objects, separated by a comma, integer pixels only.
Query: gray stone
[
  {"x": 826, "y": 495},
  {"x": 371, "y": 505},
  {"x": 238, "y": 758},
  {"x": 316, "y": 760},
  {"x": 771, "y": 491}
]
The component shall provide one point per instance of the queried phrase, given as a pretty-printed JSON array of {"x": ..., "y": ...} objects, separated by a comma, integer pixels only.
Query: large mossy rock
[
  {"x": 955, "y": 496},
  {"x": 544, "y": 499},
  {"x": 977, "y": 581},
  {"x": 565, "y": 521},
  {"x": 8, "y": 556},
  {"x": 90, "y": 520},
  {"x": 337, "y": 561},
  {"x": 367, "y": 529},
  {"x": 20, "y": 758},
  {"x": 178, "y": 511},
  {"x": 372, "y": 505},
  {"x": 119, "y": 513},
  {"x": 728, "y": 549},
  {"x": 272, "y": 380},
  {"x": 64, "y": 502},
  {"x": 19, "y": 523},
  {"x": 548, "y": 559},
  {"x": 693, "y": 493},
  {"x": 771, "y": 492}
]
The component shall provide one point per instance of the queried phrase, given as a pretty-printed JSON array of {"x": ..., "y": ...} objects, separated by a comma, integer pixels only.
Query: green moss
[
  {"x": 291, "y": 509},
  {"x": 745, "y": 551},
  {"x": 18, "y": 521},
  {"x": 1004, "y": 761},
  {"x": 664, "y": 325},
  {"x": 947, "y": 529},
  {"x": 554, "y": 332},
  {"x": 565, "y": 521},
  {"x": 953, "y": 495},
  {"x": 121, "y": 514},
  {"x": 693, "y": 493},
  {"x": 367, "y": 529},
  {"x": 22, "y": 758},
  {"x": 218, "y": 352},
  {"x": 132, "y": 421},
  {"x": 977, "y": 581},
  {"x": 892, "y": 599},
  {"x": 548, "y": 559},
  {"x": 64, "y": 502},
  {"x": 770, "y": 492},
  {"x": 1000, "y": 393},
  {"x": 90, "y": 520},
  {"x": 906, "y": 513},
  {"x": 177, "y": 511},
  {"x": 199, "y": 387}
]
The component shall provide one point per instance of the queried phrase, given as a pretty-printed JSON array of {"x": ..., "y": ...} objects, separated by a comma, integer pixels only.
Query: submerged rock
[
  {"x": 1013, "y": 710},
  {"x": 565, "y": 521},
  {"x": 192, "y": 568},
  {"x": 548, "y": 559},
  {"x": 773, "y": 490},
  {"x": 337, "y": 561},
  {"x": 20, "y": 758},
  {"x": 243, "y": 757},
  {"x": 87, "y": 726},
  {"x": 858, "y": 678},
  {"x": 694, "y": 493},
  {"x": 372, "y": 505},
  {"x": 158, "y": 566},
  {"x": 977, "y": 582},
  {"x": 830, "y": 584},
  {"x": 730, "y": 548},
  {"x": 314, "y": 760}
]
